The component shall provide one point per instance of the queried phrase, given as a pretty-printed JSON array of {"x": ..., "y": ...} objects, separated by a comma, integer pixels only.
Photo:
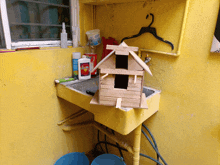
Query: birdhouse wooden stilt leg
[{"x": 118, "y": 103}]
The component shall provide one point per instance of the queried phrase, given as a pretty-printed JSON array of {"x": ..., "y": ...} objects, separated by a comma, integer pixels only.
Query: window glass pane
[
  {"x": 2, "y": 38},
  {"x": 37, "y": 20}
]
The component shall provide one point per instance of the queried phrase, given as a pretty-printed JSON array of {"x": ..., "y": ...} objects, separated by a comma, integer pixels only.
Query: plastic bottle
[
  {"x": 76, "y": 56},
  {"x": 93, "y": 58},
  {"x": 84, "y": 68},
  {"x": 63, "y": 37}
]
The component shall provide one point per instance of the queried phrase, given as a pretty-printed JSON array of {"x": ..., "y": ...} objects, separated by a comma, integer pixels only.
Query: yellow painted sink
[{"x": 123, "y": 120}]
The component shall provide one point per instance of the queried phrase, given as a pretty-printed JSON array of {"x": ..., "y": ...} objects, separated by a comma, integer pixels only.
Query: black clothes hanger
[{"x": 151, "y": 30}]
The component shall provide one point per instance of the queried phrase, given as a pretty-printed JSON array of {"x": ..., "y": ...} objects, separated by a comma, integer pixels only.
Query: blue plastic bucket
[
  {"x": 108, "y": 159},
  {"x": 75, "y": 158}
]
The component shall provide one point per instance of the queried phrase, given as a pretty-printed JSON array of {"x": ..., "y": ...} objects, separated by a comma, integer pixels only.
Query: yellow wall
[
  {"x": 86, "y": 22},
  {"x": 187, "y": 125},
  {"x": 30, "y": 109}
]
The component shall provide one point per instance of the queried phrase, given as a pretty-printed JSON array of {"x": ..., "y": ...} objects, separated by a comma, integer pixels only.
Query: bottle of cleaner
[
  {"x": 93, "y": 60},
  {"x": 76, "y": 57},
  {"x": 84, "y": 68},
  {"x": 63, "y": 37}
]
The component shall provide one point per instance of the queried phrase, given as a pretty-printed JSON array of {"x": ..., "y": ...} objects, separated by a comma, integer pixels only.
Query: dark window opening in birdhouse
[
  {"x": 121, "y": 61},
  {"x": 121, "y": 81}
]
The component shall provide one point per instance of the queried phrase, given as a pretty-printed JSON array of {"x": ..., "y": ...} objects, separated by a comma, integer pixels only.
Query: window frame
[{"x": 74, "y": 15}]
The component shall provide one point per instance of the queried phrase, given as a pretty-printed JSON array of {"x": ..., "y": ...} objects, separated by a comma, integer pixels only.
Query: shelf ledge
[{"x": 103, "y": 2}]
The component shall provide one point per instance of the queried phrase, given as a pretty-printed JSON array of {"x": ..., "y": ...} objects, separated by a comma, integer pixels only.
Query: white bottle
[
  {"x": 84, "y": 66},
  {"x": 63, "y": 37}
]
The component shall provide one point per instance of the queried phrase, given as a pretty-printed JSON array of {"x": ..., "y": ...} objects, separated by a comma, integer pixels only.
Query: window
[
  {"x": 37, "y": 22},
  {"x": 2, "y": 39},
  {"x": 122, "y": 61},
  {"x": 121, "y": 81}
]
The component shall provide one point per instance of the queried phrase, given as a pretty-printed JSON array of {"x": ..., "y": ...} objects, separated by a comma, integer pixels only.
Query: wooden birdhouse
[{"x": 121, "y": 78}]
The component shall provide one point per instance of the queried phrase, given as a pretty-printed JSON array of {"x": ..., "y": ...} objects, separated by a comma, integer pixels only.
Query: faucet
[{"x": 147, "y": 59}]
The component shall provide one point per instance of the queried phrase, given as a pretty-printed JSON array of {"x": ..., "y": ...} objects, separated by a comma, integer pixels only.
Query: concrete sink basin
[
  {"x": 123, "y": 120},
  {"x": 91, "y": 86}
]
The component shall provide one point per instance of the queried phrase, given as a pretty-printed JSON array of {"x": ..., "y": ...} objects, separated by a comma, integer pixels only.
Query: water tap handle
[{"x": 147, "y": 59}]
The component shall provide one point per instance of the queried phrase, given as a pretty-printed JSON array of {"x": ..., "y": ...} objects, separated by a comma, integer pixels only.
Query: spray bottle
[{"x": 63, "y": 36}]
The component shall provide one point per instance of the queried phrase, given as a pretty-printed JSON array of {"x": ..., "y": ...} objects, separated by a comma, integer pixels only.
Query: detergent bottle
[{"x": 84, "y": 65}]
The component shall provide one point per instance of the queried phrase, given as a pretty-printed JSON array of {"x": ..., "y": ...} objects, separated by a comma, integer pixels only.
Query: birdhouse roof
[{"x": 132, "y": 53}]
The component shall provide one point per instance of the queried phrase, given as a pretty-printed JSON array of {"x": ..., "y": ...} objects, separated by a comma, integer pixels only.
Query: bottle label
[
  {"x": 95, "y": 40},
  {"x": 84, "y": 67},
  {"x": 75, "y": 73}
]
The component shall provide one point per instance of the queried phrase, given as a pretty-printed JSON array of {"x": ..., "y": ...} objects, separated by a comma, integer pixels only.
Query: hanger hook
[
  {"x": 147, "y": 16},
  {"x": 152, "y": 19}
]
